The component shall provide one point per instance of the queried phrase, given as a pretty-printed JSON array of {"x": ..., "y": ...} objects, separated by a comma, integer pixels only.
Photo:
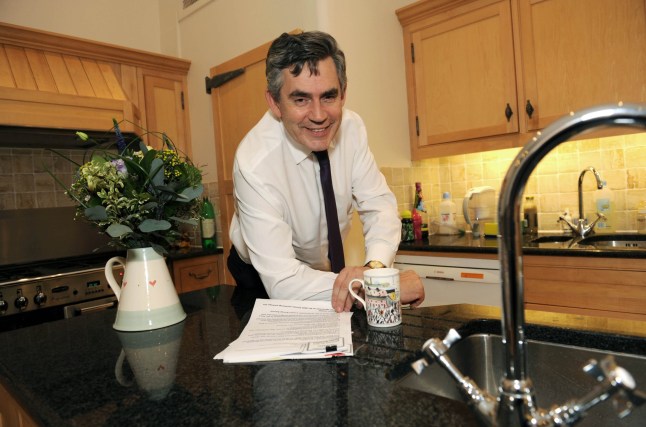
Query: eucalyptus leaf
[
  {"x": 96, "y": 213},
  {"x": 190, "y": 193},
  {"x": 157, "y": 171},
  {"x": 118, "y": 230},
  {"x": 150, "y": 225}
]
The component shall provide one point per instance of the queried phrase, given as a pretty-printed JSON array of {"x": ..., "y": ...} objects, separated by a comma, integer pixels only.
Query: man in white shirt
[{"x": 279, "y": 230}]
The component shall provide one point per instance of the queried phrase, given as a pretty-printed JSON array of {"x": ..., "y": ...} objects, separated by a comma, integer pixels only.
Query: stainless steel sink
[
  {"x": 624, "y": 241},
  {"x": 615, "y": 241},
  {"x": 555, "y": 369}
]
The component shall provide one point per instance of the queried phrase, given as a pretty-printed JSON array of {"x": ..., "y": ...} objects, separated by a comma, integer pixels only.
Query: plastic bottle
[
  {"x": 417, "y": 224},
  {"x": 530, "y": 213},
  {"x": 447, "y": 215},
  {"x": 604, "y": 203},
  {"x": 407, "y": 227},
  {"x": 207, "y": 222},
  {"x": 419, "y": 198}
]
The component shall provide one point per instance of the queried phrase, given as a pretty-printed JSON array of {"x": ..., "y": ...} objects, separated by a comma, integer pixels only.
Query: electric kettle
[{"x": 479, "y": 206}]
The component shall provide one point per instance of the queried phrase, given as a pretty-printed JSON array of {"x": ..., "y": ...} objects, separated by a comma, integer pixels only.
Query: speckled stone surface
[{"x": 63, "y": 373}]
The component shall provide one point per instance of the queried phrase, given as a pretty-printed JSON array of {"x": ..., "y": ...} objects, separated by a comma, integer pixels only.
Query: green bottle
[{"x": 208, "y": 224}]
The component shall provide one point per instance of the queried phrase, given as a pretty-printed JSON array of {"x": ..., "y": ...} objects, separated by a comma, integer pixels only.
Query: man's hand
[
  {"x": 411, "y": 288},
  {"x": 341, "y": 298}
]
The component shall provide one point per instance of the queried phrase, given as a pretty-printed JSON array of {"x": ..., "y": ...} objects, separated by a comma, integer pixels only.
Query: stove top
[{"x": 42, "y": 269}]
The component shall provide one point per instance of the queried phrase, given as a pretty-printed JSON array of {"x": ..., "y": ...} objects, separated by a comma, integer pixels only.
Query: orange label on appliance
[{"x": 472, "y": 275}]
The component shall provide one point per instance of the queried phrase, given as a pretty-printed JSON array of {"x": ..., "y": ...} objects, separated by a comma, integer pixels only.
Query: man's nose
[{"x": 317, "y": 115}]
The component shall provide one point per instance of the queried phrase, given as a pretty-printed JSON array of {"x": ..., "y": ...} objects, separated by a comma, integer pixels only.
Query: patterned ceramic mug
[{"x": 382, "y": 303}]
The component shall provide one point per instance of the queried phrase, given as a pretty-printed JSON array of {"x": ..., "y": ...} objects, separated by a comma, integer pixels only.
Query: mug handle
[{"x": 352, "y": 292}]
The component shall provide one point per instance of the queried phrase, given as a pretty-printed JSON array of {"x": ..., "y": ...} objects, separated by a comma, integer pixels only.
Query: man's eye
[
  {"x": 329, "y": 99},
  {"x": 300, "y": 101}
]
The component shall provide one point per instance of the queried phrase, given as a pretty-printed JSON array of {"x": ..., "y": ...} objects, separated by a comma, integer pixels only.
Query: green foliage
[{"x": 138, "y": 197}]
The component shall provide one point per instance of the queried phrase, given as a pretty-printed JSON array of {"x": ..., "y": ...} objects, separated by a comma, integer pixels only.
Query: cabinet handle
[
  {"x": 508, "y": 112},
  {"x": 529, "y": 109},
  {"x": 200, "y": 276}
]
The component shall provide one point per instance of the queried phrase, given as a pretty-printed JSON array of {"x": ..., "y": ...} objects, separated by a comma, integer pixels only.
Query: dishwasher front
[{"x": 455, "y": 280}]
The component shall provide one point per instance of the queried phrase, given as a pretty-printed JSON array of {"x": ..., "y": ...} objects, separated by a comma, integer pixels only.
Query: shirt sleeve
[
  {"x": 375, "y": 203},
  {"x": 268, "y": 239}
]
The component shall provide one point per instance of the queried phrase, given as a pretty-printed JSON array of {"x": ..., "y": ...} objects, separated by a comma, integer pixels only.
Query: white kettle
[{"x": 479, "y": 206}]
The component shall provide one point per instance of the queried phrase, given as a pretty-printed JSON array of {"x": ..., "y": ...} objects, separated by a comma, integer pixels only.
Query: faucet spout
[
  {"x": 515, "y": 405},
  {"x": 581, "y": 228},
  {"x": 517, "y": 397}
]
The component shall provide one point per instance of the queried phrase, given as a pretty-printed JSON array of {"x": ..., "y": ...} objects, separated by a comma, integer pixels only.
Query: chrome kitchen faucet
[
  {"x": 516, "y": 404},
  {"x": 581, "y": 229}
]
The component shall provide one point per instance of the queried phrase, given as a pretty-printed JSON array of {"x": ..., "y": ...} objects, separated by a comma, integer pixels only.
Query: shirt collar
[{"x": 300, "y": 152}]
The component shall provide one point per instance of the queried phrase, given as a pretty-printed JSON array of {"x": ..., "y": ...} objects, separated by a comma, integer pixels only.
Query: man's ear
[{"x": 273, "y": 105}]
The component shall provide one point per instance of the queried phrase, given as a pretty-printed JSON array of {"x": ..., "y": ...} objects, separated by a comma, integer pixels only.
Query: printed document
[{"x": 286, "y": 329}]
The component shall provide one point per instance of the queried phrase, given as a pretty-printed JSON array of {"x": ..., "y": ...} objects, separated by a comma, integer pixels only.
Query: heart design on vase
[{"x": 152, "y": 283}]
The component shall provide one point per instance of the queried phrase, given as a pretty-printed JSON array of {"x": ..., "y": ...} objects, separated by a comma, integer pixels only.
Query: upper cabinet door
[
  {"x": 465, "y": 83},
  {"x": 166, "y": 107},
  {"x": 581, "y": 53}
]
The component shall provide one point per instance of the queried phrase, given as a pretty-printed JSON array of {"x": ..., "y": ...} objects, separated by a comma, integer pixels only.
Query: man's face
[{"x": 310, "y": 106}]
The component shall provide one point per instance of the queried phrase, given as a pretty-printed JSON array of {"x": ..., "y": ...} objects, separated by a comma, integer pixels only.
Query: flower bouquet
[{"x": 136, "y": 194}]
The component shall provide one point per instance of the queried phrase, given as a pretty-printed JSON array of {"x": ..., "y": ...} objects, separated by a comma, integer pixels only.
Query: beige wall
[{"x": 129, "y": 23}]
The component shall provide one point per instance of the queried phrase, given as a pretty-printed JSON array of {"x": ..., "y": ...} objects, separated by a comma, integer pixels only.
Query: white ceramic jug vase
[{"x": 147, "y": 297}]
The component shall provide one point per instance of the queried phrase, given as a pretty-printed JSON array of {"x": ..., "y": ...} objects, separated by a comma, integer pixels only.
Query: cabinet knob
[
  {"x": 509, "y": 112},
  {"x": 529, "y": 109}
]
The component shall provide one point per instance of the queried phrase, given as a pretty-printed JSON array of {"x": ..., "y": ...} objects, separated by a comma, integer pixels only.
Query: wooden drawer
[
  {"x": 611, "y": 287},
  {"x": 196, "y": 273}
]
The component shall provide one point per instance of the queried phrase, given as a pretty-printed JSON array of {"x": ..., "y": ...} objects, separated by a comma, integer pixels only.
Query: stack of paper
[{"x": 286, "y": 329}]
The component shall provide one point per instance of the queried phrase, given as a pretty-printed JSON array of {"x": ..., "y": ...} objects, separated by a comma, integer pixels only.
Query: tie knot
[{"x": 321, "y": 156}]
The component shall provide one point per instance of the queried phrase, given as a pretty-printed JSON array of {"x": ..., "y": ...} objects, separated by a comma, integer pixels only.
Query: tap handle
[
  {"x": 451, "y": 338},
  {"x": 615, "y": 377},
  {"x": 435, "y": 348}
]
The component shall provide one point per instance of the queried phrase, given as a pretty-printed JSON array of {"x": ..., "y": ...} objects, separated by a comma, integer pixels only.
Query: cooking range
[{"x": 51, "y": 267}]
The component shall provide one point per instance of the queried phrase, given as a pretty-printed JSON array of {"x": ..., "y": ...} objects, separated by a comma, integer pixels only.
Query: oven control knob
[
  {"x": 21, "y": 302},
  {"x": 40, "y": 298},
  {"x": 4, "y": 306}
]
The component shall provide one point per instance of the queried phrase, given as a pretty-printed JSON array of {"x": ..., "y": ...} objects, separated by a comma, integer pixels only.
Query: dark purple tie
[{"x": 335, "y": 251}]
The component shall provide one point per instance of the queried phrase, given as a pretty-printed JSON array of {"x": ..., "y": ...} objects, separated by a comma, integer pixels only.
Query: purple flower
[{"x": 121, "y": 167}]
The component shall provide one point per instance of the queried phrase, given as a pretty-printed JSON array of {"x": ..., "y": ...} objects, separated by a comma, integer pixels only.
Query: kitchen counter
[
  {"x": 64, "y": 373},
  {"x": 466, "y": 243}
]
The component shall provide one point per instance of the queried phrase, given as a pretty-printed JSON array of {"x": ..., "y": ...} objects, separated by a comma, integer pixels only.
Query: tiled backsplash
[
  {"x": 621, "y": 161},
  {"x": 25, "y": 182}
]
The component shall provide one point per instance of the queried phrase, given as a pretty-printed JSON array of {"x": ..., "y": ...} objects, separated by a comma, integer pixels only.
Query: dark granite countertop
[
  {"x": 466, "y": 243},
  {"x": 63, "y": 373},
  {"x": 192, "y": 252}
]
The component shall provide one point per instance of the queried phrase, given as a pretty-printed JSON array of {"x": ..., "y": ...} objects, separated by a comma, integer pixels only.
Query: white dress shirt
[{"x": 279, "y": 224}]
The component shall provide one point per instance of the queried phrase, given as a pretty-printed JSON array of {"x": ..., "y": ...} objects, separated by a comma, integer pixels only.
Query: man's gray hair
[{"x": 293, "y": 51}]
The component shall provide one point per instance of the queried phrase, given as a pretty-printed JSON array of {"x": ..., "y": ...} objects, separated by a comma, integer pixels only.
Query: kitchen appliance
[
  {"x": 51, "y": 267},
  {"x": 455, "y": 280},
  {"x": 479, "y": 206}
]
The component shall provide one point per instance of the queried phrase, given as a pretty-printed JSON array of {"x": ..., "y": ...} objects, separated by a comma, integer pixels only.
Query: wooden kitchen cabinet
[
  {"x": 191, "y": 274},
  {"x": 482, "y": 74},
  {"x": 603, "y": 287},
  {"x": 61, "y": 82},
  {"x": 162, "y": 96}
]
